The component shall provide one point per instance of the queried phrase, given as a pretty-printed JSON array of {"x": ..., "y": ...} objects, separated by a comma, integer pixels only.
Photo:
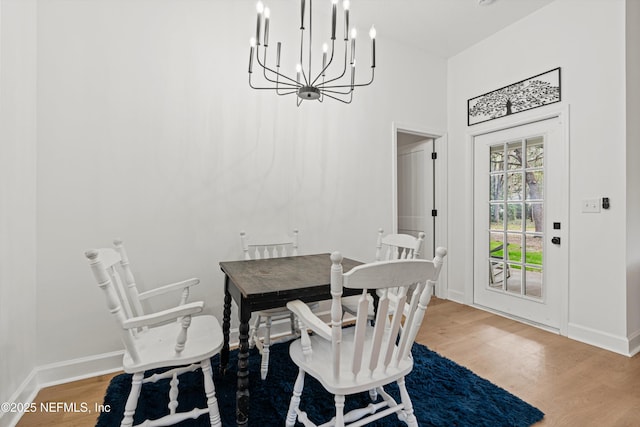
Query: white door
[
  {"x": 416, "y": 191},
  {"x": 521, "y": 221}
]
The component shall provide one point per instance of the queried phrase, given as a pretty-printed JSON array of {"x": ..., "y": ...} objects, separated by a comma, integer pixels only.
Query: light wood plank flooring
[{"x": 574, "y": 384}]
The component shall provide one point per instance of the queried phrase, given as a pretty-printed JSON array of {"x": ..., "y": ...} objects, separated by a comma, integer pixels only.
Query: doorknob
[{"x": 555, "y": 240}]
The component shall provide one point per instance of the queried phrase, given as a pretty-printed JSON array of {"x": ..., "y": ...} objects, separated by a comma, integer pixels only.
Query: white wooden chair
[
  {"x": 159, "y": 340},
  {"x": 398, "y": 246},
  {"x": 389, "y": 247},
  {"x": 365, "y": 357},
  {"x": 127, "y": 289},
  {"x": 261, "y": 249}
]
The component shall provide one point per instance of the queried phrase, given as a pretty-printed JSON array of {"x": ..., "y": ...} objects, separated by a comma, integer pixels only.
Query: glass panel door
[{"x": 520, "y": 201}]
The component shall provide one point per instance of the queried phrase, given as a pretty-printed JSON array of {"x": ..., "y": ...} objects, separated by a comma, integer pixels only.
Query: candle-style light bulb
[
  {"x": 372, "y": 34},
  {"x": 353, "y": 73},
  {"x": 267, "y": 14},
  {"x": 325, "y": 48},
  {"x": 252, "y": 44},
  {"x": 260, "y": 10},
  {"x": 345, "y": 5},
  {"x": 354, "y": 33}
]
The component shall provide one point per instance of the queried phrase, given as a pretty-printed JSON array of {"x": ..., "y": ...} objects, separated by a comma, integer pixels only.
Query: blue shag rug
[{"x": 443, "y": 394}]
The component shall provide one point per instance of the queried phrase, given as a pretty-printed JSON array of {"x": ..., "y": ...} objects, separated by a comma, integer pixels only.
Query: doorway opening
[{"x": 419, "y": 189}]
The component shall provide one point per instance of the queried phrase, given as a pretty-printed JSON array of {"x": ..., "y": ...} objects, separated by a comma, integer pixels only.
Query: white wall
[
  {"x": 147, "y": 130},
  {"x": 633, "y": 172},
  {"x": 586, "y": 39},
  {"x": 17, "y": 194}
]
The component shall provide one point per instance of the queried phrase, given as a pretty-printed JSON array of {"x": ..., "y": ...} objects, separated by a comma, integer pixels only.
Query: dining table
[{"x": 269, "y": 283}]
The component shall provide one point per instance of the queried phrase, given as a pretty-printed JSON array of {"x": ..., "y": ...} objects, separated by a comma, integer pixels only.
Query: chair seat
[
  {"x": 280, "y": 311},
  {"x": 156, "y": 346},
  {"x": 350, "y": 305},
  {"x": 346, "y": 383}
]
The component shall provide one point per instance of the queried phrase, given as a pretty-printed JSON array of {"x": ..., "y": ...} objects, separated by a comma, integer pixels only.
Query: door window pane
[
  {"x": 514, "y": 216},
  {"x": 535, "y": 152},
  {"x": 514, "y": 186},
  {"x": 496, "y": 216},
  {"x": 514, "y": 278},
  {"x": 514, "y": 155},
  {"x": 496, "y": 187},
  {"x": 533, "y": 282},
  {"x": 533, "y": 250},
  {"x": 497, "y": 158},
  {"x": 535, "y": 217},
  {"x": 534, "y": 183},
  {"x": 514, "y": 245},
  {"x": 496, "y": 245}
]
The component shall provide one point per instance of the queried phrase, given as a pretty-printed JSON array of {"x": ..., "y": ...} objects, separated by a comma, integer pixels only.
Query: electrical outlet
[{"x": 591, "y": 205}]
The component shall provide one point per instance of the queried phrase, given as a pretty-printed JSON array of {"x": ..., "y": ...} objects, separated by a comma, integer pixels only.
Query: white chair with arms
[
  {"x": 159, "y": 340},
  {"x": 127, "y": 289},
  {"x": 366, "y": 357}
]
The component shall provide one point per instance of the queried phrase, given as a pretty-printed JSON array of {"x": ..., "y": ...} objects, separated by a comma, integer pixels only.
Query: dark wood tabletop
[{"x": 303, "y": 277}]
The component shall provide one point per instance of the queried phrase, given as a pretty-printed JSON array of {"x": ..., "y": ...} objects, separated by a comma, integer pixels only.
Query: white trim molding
[{"x": 617, "y": 344}]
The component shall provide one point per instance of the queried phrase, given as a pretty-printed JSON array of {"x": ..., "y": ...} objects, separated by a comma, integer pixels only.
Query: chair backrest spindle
[
  {"x": 269, "y": 248},
  {"x": 336, "y": 310},
  {"x": 97, "y": 260}
]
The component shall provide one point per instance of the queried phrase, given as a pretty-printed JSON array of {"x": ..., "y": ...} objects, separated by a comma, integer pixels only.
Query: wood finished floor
[{"x": 574, "y": 384}]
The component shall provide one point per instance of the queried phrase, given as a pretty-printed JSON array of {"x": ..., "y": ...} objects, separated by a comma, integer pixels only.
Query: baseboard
[
  {"x": 24, "y": 394},
  {"x": 79, "y": 369},
  {"x": 456, "y": 296},
  {"x": 617, "y": 344},
  {"x": 634, "y": 343},
  {"x": 60, "y": 373}
]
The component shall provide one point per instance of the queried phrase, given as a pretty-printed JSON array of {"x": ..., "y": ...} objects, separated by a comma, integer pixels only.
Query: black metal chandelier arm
[
  {"x": 326, "y": 65},
  {"x": 337, "y": 92},
  {"x": 270, "y": 88},
  {"x": 344, "y": 69},
  {"x": 264, "y": 67},
  {"x": 338, "y": 99},
  {"x": 278, "y": 89},
  {"x": 325, "y": 87},
  {"x": 305, "y": 82}
]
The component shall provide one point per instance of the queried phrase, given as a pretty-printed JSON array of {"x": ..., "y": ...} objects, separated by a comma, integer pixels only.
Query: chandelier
[{"x": 310, "y": 84}]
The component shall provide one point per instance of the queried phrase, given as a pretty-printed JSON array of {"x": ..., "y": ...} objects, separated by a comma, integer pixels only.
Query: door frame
[
  {"x": 440, "y": 187},
  {"x": 525, "y": 118}
]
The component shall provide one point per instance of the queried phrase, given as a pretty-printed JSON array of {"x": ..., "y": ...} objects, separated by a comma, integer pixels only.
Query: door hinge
[
  {"x": 434, "y": 212},
  {"x": 434, "y": 155}
]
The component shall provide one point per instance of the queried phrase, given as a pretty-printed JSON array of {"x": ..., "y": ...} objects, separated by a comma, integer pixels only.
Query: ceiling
[{"x": 441, "y": 27}]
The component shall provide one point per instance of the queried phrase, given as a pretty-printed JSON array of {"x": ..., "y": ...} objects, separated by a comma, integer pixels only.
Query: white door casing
[{"x": 438, "y": 233}]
